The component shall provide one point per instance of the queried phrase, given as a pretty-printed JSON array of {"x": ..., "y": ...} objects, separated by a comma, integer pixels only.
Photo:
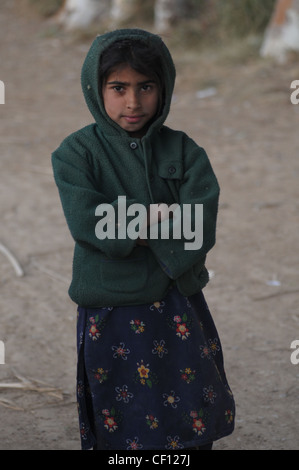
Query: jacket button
[
  {"x": 171, "y": 170},
  {"x": 133, "y": 145}
]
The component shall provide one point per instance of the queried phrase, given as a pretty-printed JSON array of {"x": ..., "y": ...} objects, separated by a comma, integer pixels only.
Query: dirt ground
[{"x": 250, "y": 130}]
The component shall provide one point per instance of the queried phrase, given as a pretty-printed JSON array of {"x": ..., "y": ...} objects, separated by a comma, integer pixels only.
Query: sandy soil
[{"x": 250, "y": 131}]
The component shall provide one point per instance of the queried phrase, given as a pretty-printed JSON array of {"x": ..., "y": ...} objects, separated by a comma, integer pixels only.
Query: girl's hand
[
  {"x": 158, "y": 213},
  {"x": 155, "y": 213}
]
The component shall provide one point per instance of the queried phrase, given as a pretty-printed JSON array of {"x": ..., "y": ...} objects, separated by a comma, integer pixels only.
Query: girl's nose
[{"x": 133, "y": 101}]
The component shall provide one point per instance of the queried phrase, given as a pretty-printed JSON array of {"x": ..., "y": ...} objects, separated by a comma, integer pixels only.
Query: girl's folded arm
[
  {"x": 198, "y": 206},
  {"x": 83, "y": 205}
]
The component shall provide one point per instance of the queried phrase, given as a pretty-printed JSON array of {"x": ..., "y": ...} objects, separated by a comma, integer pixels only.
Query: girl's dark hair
[{"x": 138, "y": 55}]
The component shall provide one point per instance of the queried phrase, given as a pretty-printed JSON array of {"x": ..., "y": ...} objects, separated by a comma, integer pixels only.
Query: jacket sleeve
[
  {"x": 198, "y": 207},
  {"x": 80, "y": 198}
]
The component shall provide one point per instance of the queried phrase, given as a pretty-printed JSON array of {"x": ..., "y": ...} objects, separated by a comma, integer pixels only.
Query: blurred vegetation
[
  {"x": 244, "y": 17},
  {"x": 229, "y": 29},
  {"x": 204, "y": 20},
  {"x": 225, "y": 19}
]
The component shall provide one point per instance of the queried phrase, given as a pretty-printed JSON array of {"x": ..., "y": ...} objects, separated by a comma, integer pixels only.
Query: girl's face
[{"x": 130, "y": 99}]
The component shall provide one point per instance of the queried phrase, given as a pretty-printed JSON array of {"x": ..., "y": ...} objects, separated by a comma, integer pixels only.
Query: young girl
[{"x": 150, "y": 365}]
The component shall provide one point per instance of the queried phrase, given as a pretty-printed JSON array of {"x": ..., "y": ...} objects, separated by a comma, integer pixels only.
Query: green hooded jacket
[{"x": 101, "y": 162}]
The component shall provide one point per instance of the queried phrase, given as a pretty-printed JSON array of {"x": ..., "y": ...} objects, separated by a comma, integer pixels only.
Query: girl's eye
[
  {"x": 118, "y": 88},
  {"x": 146, "y": 87}
]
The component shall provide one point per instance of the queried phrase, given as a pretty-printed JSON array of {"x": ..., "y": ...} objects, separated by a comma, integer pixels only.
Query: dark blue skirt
[{"x": 152, "y": 376}]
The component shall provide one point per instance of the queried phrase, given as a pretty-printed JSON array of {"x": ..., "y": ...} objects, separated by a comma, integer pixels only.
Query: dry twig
[
  {"x": 276, "y": 294},
  {"x": 50, "y": 273},
  {"x": 32, "y": 385},
  {"x": 19, "y": 271}
]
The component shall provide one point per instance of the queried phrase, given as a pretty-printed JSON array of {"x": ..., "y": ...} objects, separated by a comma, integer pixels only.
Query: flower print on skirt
[{"x": 152, "y": 376}]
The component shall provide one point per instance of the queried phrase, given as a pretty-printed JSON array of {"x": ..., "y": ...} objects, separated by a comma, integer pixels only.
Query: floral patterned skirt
[{"x": 152, "y": 376}]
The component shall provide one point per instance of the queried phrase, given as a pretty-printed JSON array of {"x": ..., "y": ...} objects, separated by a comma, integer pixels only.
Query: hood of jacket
[{"x": 90, "y": 77}]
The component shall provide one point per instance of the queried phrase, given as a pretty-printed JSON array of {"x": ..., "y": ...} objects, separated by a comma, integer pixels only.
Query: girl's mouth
[{"x": 133, "y": 119}]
